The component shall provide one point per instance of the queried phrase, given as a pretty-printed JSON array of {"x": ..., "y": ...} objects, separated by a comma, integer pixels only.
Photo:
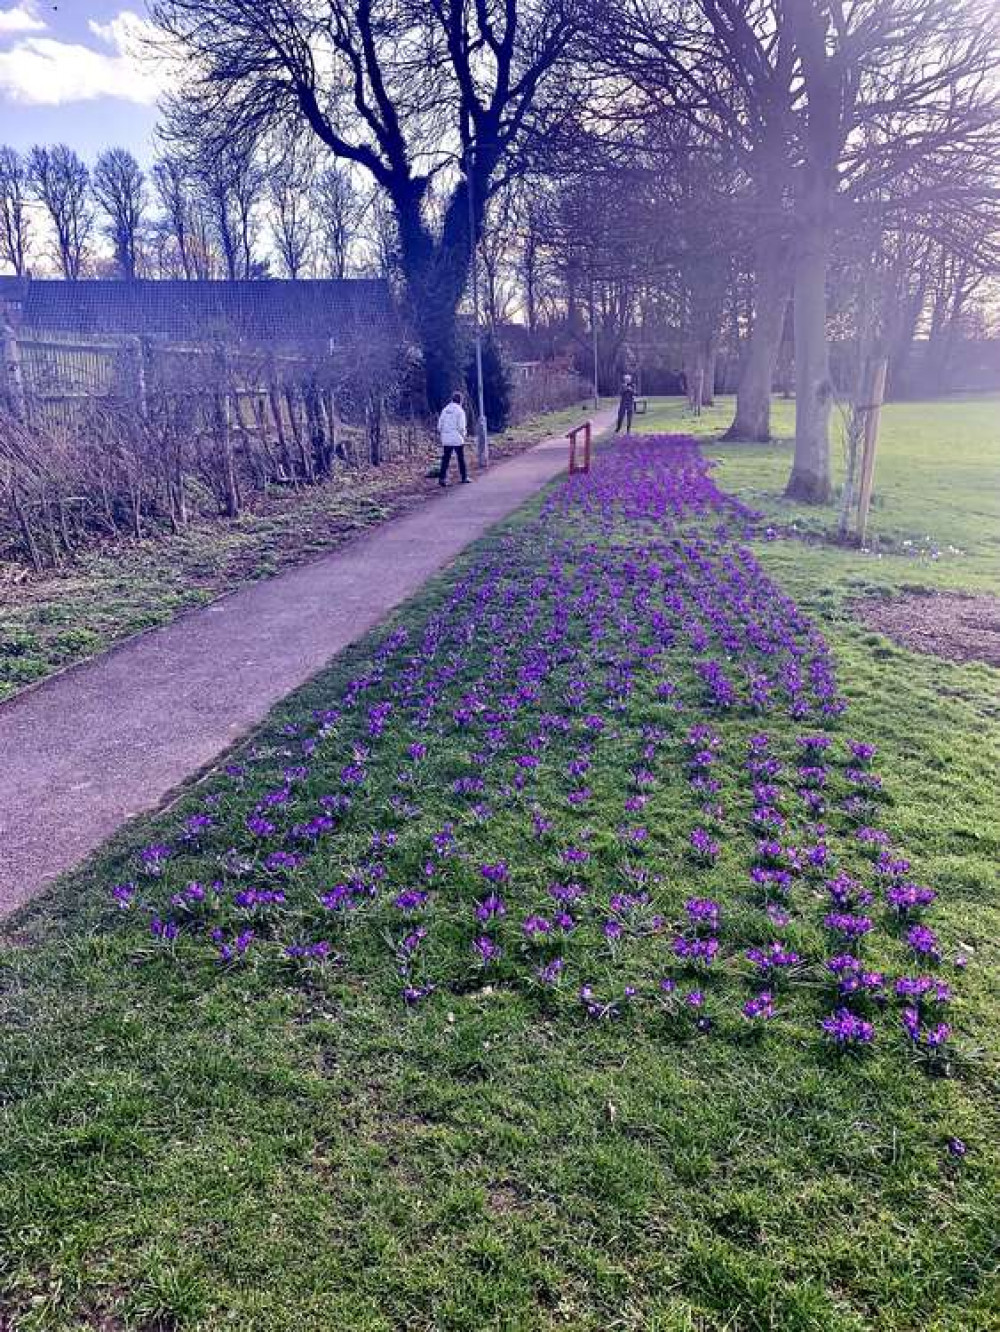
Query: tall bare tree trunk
[
  {"x": 810, "y": 478},
  {"x": 771, "y": 291}
]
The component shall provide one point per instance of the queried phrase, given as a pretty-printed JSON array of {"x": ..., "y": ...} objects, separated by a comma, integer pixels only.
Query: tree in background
[
  {"x": 497, "y": 260},
  {"x": 186, "y": 248},
  {"x": 379, "y": 237},
  {"x": 533, "y": 273},
  {"x": 886, "y": 90},
  {"x": 120, "y": 190},
  {"x": 828, "y": 108},
  {"x": 14, "y": 227},
  {"x": 291, "y": 175},
  {"x": 336, "y": 209},
  {"x": 231, "y": 183},
  {"x": 60, "y": 181},
  {"x": 431, "y": 98},
  {"x": 721, "y": 71}
]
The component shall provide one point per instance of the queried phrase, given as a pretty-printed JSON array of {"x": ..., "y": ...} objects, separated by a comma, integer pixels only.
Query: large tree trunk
[
  {"x": 435, "y": 272},
  {"x": 771, "y": 291},
  {"x": 810, "y": 478}
]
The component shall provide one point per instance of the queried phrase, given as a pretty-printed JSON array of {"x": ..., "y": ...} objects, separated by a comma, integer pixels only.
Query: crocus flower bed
[{"x": 612, "y": 769}]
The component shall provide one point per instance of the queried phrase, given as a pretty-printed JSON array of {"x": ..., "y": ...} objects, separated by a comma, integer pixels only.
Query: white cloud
[
  {"x": 22, "y": 18},
  {"x": 120, "y": 30},
  {"x": 40, "y": 71}
]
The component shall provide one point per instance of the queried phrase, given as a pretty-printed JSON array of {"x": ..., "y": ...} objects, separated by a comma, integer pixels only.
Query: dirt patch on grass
[{"x": 958, "y": 628}]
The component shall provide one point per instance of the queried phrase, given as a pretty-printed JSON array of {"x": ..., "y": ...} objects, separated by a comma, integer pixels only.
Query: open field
[
  {"x": 937, "y": 484},
  {"x": 48, "y": 622},
  {"x": 207, "y": 1132}
]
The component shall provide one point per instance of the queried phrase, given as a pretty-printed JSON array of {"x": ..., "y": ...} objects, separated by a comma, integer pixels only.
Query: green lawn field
[{"x": 268, "y": 1144}]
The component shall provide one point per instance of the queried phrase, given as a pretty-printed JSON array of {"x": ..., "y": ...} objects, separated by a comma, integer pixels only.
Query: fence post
[
  {"x": 12, "y": 371},
  {"x": 586, "y": 447},
  {"x": 132, "y": 373}
]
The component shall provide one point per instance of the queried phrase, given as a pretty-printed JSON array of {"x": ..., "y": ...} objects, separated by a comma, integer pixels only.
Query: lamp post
[{"x": 482, "y": 436}]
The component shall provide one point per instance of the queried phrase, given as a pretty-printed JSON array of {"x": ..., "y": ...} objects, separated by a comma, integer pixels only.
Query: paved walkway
[{"x": 111, "y": 739}]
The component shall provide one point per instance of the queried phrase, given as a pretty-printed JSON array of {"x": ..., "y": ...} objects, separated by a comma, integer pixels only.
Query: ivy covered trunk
[{"x": 435, "y": 272}]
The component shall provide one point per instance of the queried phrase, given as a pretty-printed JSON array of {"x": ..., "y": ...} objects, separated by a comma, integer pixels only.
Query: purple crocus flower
[
  {"x": 703, "y": 911},
  {"x": 154, "y": 858},
  {"x": 486, "y": 950},
  {"x": 761, "y": 1007},
  {"x": 491, "y": 905},
  {"x": 124, "y": 895},
  {"x": 923, "y": 941},
  {"x": 703, "y": 844},
  {"x": 847, "y": 924},
  {"x": 410, "y": 899},
  {"x": 847, "y": 1030},
  {"x": 536, "y": 927}
]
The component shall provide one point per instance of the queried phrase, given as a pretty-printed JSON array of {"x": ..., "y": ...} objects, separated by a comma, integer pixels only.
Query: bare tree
[
  {"x": 724, "y": 69},
  {"x": 60, "y": 181},
  {"x": 14, "y": 227},
  {"x": 379, "y": 236},
  {"x": 337, "y": 212},
  {"x": 530, "y": 254},
  {"x": 417, "y": 93},
  {"x": 120, "y": 190},
  {"x": 173, "y": 192},
  {"x": 497, "y": 259},
  {"x": 831, "y": 108},
  {"x": 232, "y": 188},
  {"x": 885, "y": 88},
  {"x": 188, "y": 244},
  {"x": 292, "y": 172}
]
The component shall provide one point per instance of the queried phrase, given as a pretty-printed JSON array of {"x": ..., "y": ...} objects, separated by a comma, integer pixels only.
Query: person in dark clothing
[
  {"x": 626, "y": 406},
  {"x": 451, "y": 428}
]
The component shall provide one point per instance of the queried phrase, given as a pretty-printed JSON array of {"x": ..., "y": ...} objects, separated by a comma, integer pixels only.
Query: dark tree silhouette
[
  {"x": 60, "y": 181},
  {"x": 336, "y": 211},
  {"x": 14, "y": 226},
  {"x": 120, "y": 190},
  {"x": 429, "y": 97}
]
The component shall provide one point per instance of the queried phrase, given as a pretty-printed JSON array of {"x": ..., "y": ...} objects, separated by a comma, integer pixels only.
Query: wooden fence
[
  {"x": 53, "y": 383},
  {"x": 110, "y": 434}
]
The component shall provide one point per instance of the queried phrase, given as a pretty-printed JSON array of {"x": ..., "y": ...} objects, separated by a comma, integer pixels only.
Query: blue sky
[{"x": 71, "y": 72}]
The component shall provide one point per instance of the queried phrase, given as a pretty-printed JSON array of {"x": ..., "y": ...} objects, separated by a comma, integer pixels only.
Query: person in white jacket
[{"x": 451, "y": 428}]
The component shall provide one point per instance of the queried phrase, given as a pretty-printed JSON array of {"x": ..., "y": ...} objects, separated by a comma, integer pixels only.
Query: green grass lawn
[
  {"x": 269, "y": 1146},
  {"x": 936, "y": 498},
  {"x": 118, "y": 589}
]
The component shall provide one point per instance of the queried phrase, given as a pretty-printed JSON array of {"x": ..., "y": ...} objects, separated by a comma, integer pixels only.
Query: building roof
[{"x": 270, "y": 310}]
